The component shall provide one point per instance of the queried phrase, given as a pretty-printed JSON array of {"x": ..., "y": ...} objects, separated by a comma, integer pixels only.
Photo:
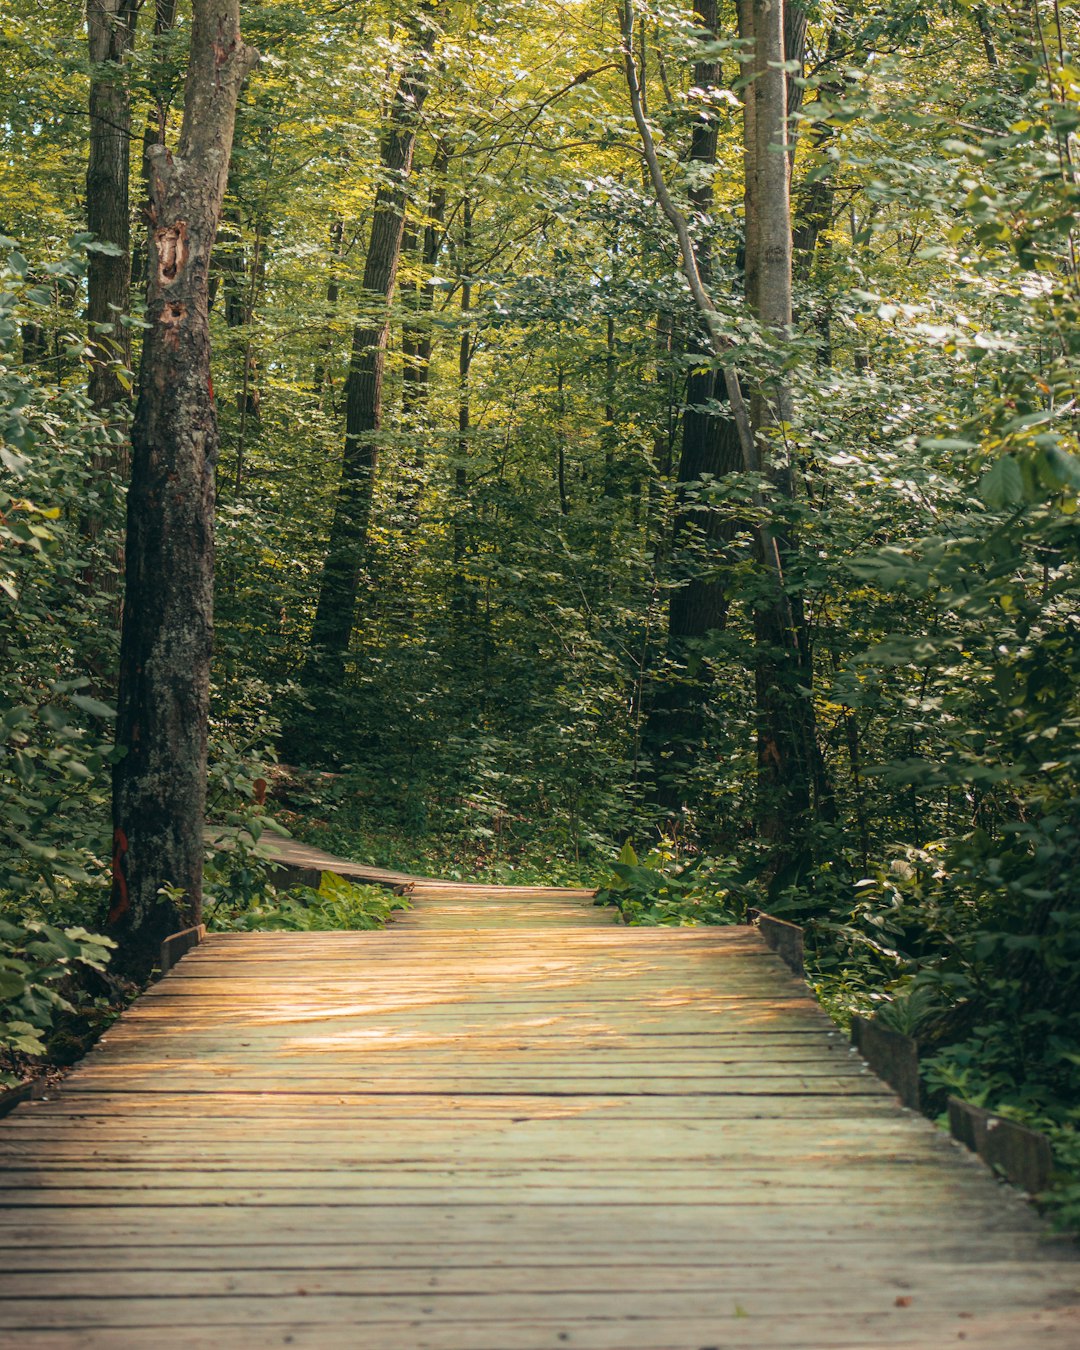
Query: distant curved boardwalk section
[{"x": 504, "y": 1124}]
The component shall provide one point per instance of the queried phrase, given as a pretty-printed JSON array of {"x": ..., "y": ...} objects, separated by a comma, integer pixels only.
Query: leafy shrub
[
  {"x": 36, "y": 959},
  {"x": 337, "y": 904},
  {"x": 56, "y": 632},
  {"x": 662, "y": 890}
]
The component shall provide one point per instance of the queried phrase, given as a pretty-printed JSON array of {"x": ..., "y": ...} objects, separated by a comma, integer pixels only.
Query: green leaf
[
  {"x": 1002, "y": 486},
  {"x": 94, "y": 706},
  {"x": 12, "y": 984}
]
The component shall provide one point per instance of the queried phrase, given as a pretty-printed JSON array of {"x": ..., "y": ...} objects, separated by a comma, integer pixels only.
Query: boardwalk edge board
[
  {"x": 1022, "y": 1155},
  {"x": 785, "y": 939},
  {"x": 287, "y": 875},
  {"x": 179, "y": 944},
  {"x": 893, "y": 1056},
  {"x": 30, "y": 1091}
]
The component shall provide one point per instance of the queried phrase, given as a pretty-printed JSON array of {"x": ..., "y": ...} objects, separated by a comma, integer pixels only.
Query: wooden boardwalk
[{"x": 504, "y": 1124}]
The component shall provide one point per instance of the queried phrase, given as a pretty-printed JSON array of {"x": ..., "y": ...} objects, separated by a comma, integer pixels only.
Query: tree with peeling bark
[{"x": 159, "y": 784}]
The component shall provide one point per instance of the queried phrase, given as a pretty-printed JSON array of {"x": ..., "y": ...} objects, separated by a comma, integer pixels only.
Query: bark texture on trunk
[
  {"x": 158, "y": 81},
  {"x": 710, "y": 444},
  {"x": 159, "y": 785},
  {"x": 795, "y": 21},
  {"x": 340, "y": 581}
]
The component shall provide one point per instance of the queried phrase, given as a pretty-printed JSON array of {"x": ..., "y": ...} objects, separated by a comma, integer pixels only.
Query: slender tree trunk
[
  {"x": 340, "y": 580},
  {"x": 241, "y": 271},
  {"x": 322, "y": 380},
  {"x": 434, "y": 231},
  {"x": 790, "y": 775},
  {"x": 560, "y": 441},
  {"x": 416, "y": 338},
  {"x": 611, "y": 431},
  {"x": 35, "y": 343},
  {"x": 795, "y": 21},
  {"x": 413, "y": 378},
  {"x": 986, "y": 33},
  {"x": 710, "y": 447},
  {"x": 460, "y": 599},
  {"x": 815, "y": 203},
  {"x": 110, "y": 26},
  {"x": 159, "y": 784}
]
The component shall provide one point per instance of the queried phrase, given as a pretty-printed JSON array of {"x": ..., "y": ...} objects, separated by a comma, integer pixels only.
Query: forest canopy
[{"x": 534, "y": 555}]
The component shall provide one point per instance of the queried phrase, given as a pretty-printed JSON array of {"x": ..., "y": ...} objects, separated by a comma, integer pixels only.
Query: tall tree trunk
[
  {"x": 795, "y": 22},
  {"x": 790, "y": 775},
  {"x": 241, "y": 271},
  {"x": 322, "y": 378},
  {"x": 986, "y": 33},
  {"x": 110, "y": 27},
  {"x": 814, "y": 206},
  {"x": 416, "y": 340},
  {"x": 340, "y": 581},
  {"x": 560, "y": 440},
  {"x": 416, "y": 329},
  {"x": 710, "y": 447},
  {"x": 159, "y": 784}
]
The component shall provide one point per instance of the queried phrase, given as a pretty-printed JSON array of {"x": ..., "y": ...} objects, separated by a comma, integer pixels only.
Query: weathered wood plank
[
  {"x": 929, "y": 1283},
  {"x": 905, "y": 1331},
  {"x": 771, "y": 1314}
]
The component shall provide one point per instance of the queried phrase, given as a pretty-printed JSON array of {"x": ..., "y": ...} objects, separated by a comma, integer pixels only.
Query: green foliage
[
  {"x": 337, "y": 904},
  {"x": 37, "y": 963},
  {"x": 661, "y": 889},
  {"x": 405, "y": 825},
  {"x": 55, "y": 631}
]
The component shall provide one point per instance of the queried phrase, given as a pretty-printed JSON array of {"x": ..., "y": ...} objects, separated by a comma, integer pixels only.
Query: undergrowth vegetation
[{"x": 335, "y": 904}]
